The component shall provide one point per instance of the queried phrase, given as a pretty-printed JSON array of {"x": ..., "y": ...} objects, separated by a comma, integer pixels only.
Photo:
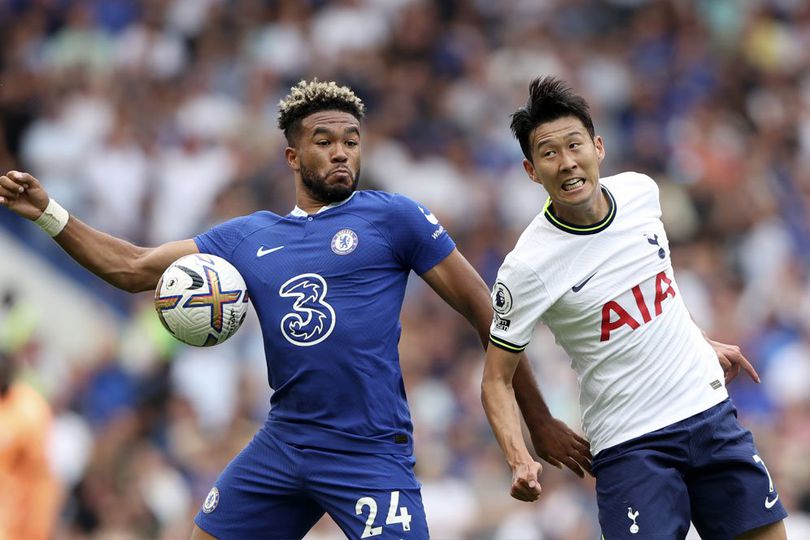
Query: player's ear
[
  {"x": 600, "y": 148},
  {"x": 527, "y": 165},
  {"x": 291, "y": 154}
]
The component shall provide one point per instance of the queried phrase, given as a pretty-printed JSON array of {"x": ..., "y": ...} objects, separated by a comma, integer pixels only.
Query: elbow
[
  {"x": 126, "y": 282},
  {"x": 491, "y": 386},
  {"x": 137, "y": 287},
  {"x": 141, "y": 275},
  {"x": 140, "y": 281},
  {"x": 486, "y": 393},
  {"x": 133, "y": 278}
]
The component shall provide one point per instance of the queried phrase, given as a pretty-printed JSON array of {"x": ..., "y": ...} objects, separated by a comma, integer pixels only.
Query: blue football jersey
[{"x": 328, "y": 289}]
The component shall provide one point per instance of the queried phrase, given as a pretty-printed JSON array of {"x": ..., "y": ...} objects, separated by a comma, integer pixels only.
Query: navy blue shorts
[
  {"x": 273, "y": 490},
  {"x": 705, "y": 469}
]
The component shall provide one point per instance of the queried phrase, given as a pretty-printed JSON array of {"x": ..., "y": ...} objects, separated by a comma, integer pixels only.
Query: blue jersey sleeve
[
  {"x": 222, "y": 239},
  {"x": 418, "y": 239}
]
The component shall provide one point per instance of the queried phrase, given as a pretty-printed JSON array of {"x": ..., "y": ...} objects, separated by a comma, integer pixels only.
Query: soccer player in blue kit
[{"x": 327, "y": 282}]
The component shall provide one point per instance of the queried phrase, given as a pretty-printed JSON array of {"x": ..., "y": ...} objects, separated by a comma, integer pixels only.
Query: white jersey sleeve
[{"x": 519, "y": 299}]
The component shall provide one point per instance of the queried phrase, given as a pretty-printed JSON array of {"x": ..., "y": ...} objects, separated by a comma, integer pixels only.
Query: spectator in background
[{"x": 29, "y": 493}]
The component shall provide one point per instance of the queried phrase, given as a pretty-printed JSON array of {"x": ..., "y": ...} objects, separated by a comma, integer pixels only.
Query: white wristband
[{"x": 53, "y": 219}]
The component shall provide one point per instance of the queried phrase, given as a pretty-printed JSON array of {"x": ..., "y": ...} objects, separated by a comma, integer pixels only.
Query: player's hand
[
  {"x": 23, "y": 194},
  {"x": 558, "y": 444},
  {"x": 732, "y": 360},
  {"x": 526, "y": 481}
]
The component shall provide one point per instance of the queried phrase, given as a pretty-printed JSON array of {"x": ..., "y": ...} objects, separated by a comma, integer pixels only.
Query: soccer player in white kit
[{"x": 594, "y": 266}]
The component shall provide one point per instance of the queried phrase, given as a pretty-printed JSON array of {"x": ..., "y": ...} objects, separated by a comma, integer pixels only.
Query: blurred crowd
[{"x": 155, "y": 119}]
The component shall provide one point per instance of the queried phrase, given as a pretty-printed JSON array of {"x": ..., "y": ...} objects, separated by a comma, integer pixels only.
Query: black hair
[
  {"x": 309, "y": 97},
  {"x": 549, "y": 99}
]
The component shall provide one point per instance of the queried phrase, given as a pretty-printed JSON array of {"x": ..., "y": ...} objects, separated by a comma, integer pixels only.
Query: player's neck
[
  {"x": 309, "y": 205},
  {"x": 587, "y": 214},
  {"x": 304, "y": 200}
]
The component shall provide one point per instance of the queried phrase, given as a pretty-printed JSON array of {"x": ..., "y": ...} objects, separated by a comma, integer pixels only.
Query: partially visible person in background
[{"x": 29, "y": 492}]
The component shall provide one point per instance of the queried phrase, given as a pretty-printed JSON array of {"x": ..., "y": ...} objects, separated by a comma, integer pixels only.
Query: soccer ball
[{"x": 201, "y": 299}]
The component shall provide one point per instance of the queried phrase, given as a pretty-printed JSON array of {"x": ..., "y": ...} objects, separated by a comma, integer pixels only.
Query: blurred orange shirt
[{"x": 29, "y": 492}]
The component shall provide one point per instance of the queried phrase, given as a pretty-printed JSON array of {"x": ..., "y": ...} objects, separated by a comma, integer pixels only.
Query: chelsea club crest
[
  {"x": 344, "y": 242},
  {"x": 211, "y": 501}
]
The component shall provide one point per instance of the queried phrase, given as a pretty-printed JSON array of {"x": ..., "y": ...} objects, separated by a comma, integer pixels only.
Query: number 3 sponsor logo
[{"x": 312, "y": 318}]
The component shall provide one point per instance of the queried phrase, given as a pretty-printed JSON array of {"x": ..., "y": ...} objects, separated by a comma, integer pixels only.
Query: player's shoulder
[
  {"x": 370, "y": 206},
  {"x": 630, "y": 182},
  {"x": 386, "y": 206},
  {"x": 250, "y": 223},
  {"x": 232, "y": 232},
  {"x": 534, "y": 245},
  {"x": 372, "y": 197}
]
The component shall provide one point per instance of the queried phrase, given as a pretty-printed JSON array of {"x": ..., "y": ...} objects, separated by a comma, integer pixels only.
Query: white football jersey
[{"x": 608, "y": 294}]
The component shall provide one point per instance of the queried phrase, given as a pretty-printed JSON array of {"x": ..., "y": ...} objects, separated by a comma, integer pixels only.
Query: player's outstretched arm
[
  {"x": 116, "y": 261},
  {"x": 499, "y": 402},
  {"x": 457, "y": 282}
]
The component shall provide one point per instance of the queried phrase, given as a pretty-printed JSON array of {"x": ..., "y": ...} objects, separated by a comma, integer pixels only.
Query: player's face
[
  {"x": 327, "y": 155},
  {"x": 565, "y": 160}
]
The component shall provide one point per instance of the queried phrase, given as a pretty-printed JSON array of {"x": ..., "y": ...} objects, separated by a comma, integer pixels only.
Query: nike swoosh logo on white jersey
[
  {"x": 769, "y": 503},
  {"x": 578, "y": 287},
  {"x": 263, "y": 251}
]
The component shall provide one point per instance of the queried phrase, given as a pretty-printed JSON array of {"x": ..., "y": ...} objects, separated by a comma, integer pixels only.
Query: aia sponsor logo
[{"x": 614, "y": 316}]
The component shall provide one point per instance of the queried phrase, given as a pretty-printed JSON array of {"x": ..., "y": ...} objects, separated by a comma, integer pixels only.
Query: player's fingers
[
  {"x": 583, "y": 441},
  {"x": 554, "y": 462},
  {"x": 574, "y": 467},
  {"x": 732, "y": 372},
  {"x": 748, "y": 368},
  {"x": 581, "y": 451},
  {"x": 22, "y": 178},
  {"x": 584, "y": 463},
  {"x": 520, "y": 491},
  {"x": 529, "y": 483},
  {"x": 578, "y": 466},
  {"x": 10, "y": 191},
  {"x": 523, "y": 496},
  {"x": 526, "y": 489},
  {"x": 10, "y": 186},
  {"x": 8, "y": 196},
  {"x": 527, "y": 497}
]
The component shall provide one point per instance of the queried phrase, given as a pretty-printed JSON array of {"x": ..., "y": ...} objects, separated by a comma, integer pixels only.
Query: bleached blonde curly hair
[{"x": 308, "y": 97}]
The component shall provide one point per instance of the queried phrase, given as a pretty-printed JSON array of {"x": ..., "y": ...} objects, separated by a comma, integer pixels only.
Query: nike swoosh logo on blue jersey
[
  {"x": 263, "y": 251},
  {"x": 576, "y": 288},
  {"x": 429, "y": 216},
  {"x": 769, "y": 503}
]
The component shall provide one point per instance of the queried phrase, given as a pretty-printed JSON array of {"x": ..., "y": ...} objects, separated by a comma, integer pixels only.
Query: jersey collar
[
  {"x": 582, "y": 229},
  {"x": 298, "y": 212}
]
